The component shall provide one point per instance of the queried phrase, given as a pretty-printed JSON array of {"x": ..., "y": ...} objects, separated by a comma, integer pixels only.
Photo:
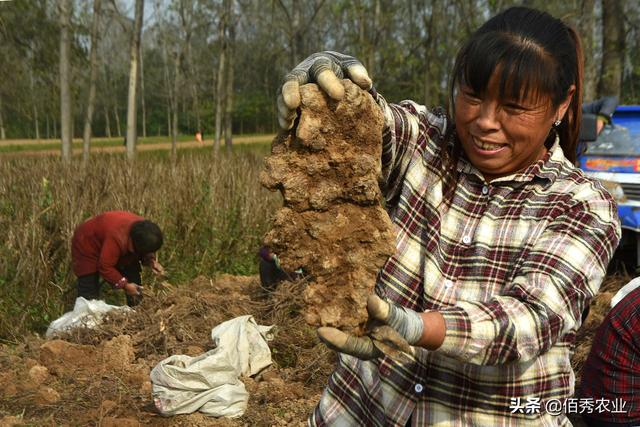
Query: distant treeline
[{"x": 208, "y": 64}]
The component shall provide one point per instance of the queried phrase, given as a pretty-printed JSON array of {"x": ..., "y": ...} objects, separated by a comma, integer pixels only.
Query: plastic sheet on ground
[
  {"x": 210, "y": 383},
  {"x": 624, "y": 291},
  {"x": 85, "y": 313}
]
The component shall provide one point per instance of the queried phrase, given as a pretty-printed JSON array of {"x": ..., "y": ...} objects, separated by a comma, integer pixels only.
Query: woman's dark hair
[
  {"x": 533, "y": 52},
  {"x": 146, "y": 237}
]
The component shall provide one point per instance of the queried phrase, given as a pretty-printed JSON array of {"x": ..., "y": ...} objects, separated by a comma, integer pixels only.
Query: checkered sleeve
[
  {"x": 410, "y": 130},
  {"x": 559, "y": 275}
]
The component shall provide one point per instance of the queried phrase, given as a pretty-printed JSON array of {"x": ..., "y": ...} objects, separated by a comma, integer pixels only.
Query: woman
[
  {"x": 501, "y": 241},
  {"x": 112, "y": 245}
]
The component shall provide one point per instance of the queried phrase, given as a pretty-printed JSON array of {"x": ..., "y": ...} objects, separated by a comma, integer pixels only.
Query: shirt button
[
  {"x": 448, "y": 283},
  {"x": 466, "y": 240},
  {"x": 418, "y": 388},
  {"x": 485, "y": 189}
]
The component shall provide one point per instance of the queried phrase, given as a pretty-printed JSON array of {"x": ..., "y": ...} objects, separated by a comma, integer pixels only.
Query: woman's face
[{"x": 503, "y": 137}]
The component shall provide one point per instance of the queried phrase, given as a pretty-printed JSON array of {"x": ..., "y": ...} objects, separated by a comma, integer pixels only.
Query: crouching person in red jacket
[{"x": 113, "y": 245}]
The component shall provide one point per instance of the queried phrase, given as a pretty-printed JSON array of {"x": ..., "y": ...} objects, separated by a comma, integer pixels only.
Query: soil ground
[{"x": 101, "y": 376}]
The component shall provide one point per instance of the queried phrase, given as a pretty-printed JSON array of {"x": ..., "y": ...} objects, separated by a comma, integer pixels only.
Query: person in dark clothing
[
  {"x": 595, "y": 115},
  {"x": 611, "y": 373},
  {"x": 113, "y": 245},
  {"x": 271, "y": 273}
]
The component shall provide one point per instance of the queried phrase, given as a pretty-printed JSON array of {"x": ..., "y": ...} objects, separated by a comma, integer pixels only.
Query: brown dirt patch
[{"x": 101, "y": 376}]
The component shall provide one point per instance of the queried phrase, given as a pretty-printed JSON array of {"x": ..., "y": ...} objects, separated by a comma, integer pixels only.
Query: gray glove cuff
[{"x": 407, "y": 322}]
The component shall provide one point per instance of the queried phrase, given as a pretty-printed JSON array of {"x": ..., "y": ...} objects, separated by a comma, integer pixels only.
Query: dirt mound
[
  {"x": 101, "y": 376},
  {"x": 332, "y": 225}
]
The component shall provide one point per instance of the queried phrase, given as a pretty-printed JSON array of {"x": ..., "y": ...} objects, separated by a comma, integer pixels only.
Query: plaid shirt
[
  {"x": 612, "y": 370},
  {"x": 510, "y": 265}
]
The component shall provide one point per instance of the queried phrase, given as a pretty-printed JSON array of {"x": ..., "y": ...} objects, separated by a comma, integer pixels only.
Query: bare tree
[
  {"x": 65, "y": 90},
  {"x": 587, "y": 24},
  {"x": 107, "y": 123},
  {"x": 433, "y": 68},
  {"x": 133, "y": 79},
  {"x": 187, "y": 18},
  {"x": 142, "y": 103},
  {"x": 228, "y": 98},
  {"x": 3, "y": 134},
  {"x": 34, "y": 104},
  {"x": 220, "y": 80},
  {"x": 93, "y": 63},
  {"x": 613, "y": 45},
  {"x": 176, "y": 88},
  {"x": 297, "y": 26}
]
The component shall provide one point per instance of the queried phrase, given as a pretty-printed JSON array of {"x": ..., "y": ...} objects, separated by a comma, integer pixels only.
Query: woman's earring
[{"x": 557, "y": 123}]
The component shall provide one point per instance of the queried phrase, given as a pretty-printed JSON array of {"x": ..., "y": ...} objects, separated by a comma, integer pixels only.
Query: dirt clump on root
[
  {"x": 332, "y": 225},
  {"x": 101, "y": 376}
]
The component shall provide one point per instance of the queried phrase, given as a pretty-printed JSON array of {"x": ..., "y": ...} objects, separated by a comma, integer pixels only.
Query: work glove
[
  {"x": 390, "y": 331},
  {"x": 324, "y": 68}
]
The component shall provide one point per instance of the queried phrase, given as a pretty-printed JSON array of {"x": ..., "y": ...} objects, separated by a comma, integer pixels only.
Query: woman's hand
[
  {"x": 157, "y": 268},
  {"x": 132, "y": 289},
  {"x": 324, "y": 68},
  {"x": 391, "y": 330}
]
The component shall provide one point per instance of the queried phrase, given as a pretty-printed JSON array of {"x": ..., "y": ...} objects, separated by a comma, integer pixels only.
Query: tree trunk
[
  {"x": 613, "y": 35},
  {"x": 219, "y": 100},
  {"x": 36, "y": 122},
  {"x": 65, "y": 90},
  {"x": 3, "y": 134},
  {"x": 117, "y": 117},
  {"x": 93, "y": 63},
  {"x": 298, "y": 28},
  {"x": 375, "y": 39},
  {"x": 194, "y": 90},
  {"x": 228, "y": 117},
  {"x": 221, "y": 83},
  {"x": 586, "y": 27},
  {"x": 34, "y": 105},
  {"x": 107, "y": 123},
  {"x": 168, "y": 120},
  {"x": 167, "y": 84},
  {"x": 46, "y": 120},
  {"x": 133, "y": 79},
  {"x": 186, "y": 15},
  {"x": 297, "y": 35},
  {"x": 143, "y": 105},
  {"x": 176, "y": 87},
  {"x": 433, "y": 67}
]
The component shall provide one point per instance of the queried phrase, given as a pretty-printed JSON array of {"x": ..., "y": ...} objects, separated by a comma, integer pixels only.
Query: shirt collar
[{"x": 548, "y": 168}]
